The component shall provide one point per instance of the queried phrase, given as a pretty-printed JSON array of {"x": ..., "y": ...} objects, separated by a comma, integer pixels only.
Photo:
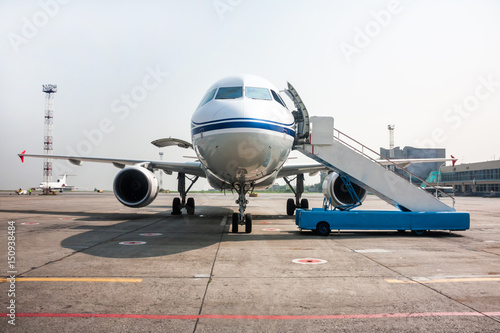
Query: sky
[{"x": 130, "y": 72}]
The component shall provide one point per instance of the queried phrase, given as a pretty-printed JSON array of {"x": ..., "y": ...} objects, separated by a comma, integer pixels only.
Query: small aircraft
[
  {"x": 242, "y": 133},
  {"x": 59, "y": 185}
]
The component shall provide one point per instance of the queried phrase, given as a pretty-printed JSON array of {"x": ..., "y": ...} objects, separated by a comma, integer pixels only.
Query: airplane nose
[{"x": 234, "y": 109}]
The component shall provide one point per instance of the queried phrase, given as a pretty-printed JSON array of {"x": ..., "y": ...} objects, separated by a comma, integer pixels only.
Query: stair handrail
[{"x": 385, "y": 158}]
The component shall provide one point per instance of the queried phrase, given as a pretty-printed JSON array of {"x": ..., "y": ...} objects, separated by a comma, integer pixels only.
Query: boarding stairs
[{"x": 346, "y": 156}]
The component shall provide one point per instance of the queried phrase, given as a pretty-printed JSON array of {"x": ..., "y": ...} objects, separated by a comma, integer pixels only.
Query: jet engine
[
  {"x": 135, "y": 186},
  {"x": 334, "y": 187}
]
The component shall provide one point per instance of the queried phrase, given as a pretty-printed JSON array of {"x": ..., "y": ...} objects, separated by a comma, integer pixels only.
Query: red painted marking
[
  {"x": 263, "y": 317},
  {"x": 132, "y": 243},
  {"x": 309, "y": 261}
]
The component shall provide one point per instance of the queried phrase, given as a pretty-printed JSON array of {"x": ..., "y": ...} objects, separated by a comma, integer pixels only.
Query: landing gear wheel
[
  {"x": 190, "y": 206},
  {"x": 304, "y": 204},
  {"x": 248, "y": 223},
  {"x": 290, "y": 207},
  {"x": 323, "y": 229},
  {"x": 236, "y": 218},
  {"x": 176, "y": 206},
  {"x": 418, "y": 232},
  {"x": 401, "y": 231}
]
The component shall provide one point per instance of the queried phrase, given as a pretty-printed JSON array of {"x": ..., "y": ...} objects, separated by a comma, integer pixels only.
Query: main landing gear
[
  {"x": 299, "y": 203},
  {"x": 179, "y": 203},
  {"x": 241, "y": 218}
]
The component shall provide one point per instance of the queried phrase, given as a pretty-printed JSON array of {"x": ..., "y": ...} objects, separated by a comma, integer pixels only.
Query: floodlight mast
[
  {"x": 49, "y": 90},
  {"x": 391, "y": 144},
  {"x": 391, "y": 140}
]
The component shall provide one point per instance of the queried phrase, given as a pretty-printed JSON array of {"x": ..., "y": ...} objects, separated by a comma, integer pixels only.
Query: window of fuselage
[
  {"x": 208, "y": 97},
  {"x": 257, "y": 93},
  {"x": 229, "y": 93},
  {"x": 277, "y": 98}
]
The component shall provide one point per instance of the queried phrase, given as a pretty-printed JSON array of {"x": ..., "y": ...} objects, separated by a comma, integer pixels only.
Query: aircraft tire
[
  {"x": 190, "y": 206},
  {"x": 290, "y": 207},
  {"x": 176, "y": 206},
  {"x": 236, "y": 218},
  {"x": 304, "y": 204},
  {"x": 248, "y": 223}
]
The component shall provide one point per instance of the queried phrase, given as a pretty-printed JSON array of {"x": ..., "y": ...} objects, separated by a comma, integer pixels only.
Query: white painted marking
[
  {"x": 372, "y": 251},
  {"x": 132, "y": 243},
  {"x": 198, "y": 276}
]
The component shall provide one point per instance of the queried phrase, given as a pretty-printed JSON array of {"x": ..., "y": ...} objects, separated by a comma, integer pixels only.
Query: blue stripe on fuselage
[
  {"x": 242, "y": 124},
  {"x": 245, "y": 119}
]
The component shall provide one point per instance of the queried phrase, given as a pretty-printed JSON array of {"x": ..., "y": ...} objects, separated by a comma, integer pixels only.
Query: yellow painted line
[
  {"x": 54, "y": 279},
  {"x": 485, "y": 279}
]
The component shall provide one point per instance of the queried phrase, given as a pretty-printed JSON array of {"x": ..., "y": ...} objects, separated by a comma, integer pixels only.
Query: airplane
[
  {"x": 242, "y": 133},
  {"x": 59, "y": 185}
]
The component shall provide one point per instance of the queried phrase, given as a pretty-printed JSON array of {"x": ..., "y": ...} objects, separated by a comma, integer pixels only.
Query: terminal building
[{"x": 473, "y": 179}]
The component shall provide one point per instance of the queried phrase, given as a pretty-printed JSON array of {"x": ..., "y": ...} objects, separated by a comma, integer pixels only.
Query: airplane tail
[
  {"x": 21, "y": 156},
  {"x": 454, "y": 160}
]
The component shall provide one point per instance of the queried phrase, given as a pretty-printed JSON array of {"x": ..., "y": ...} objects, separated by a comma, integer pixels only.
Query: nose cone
[{"x": 242, "y": 155}]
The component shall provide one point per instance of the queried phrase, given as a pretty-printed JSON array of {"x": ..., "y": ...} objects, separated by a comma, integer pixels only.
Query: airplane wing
[
  {"x": 406, "y": 162},
  {"x": 291, "y": 170},
  {"x": 191, "y": 168}
]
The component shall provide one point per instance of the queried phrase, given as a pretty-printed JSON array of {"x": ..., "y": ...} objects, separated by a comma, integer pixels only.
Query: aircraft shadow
[{"x": 181, "y": 233}]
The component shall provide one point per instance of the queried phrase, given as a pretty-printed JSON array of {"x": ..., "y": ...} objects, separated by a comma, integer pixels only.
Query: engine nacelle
[
  {"x": 334, "y": 187},
  {"x": 135, "y": 186}
]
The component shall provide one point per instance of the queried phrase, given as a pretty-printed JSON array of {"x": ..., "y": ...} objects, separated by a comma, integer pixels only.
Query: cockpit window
[
  {"x": 257, "y": 93},
  {"x": 208, "y": 97},
  {"x": 229, "y": 92},
  {"x": 277, "y": 98}
]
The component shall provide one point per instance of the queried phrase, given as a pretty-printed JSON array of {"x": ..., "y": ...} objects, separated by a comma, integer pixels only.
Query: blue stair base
[{"x": 382, "y": 220}]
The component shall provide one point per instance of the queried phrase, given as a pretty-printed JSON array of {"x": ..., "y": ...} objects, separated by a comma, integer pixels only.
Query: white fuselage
[
  {"x": 59, "y": 185},
  {"x": 242, "y": 135}
]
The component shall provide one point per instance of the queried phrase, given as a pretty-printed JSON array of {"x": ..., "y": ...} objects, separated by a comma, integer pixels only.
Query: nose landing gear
[{"x": 241, "y": 218}]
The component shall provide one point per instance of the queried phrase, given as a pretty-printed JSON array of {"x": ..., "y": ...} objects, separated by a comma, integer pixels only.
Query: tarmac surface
[{"x": 189, "y": 274}]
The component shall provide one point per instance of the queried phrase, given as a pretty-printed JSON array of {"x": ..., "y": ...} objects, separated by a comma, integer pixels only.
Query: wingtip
[{"x": 21, "y": 156}]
